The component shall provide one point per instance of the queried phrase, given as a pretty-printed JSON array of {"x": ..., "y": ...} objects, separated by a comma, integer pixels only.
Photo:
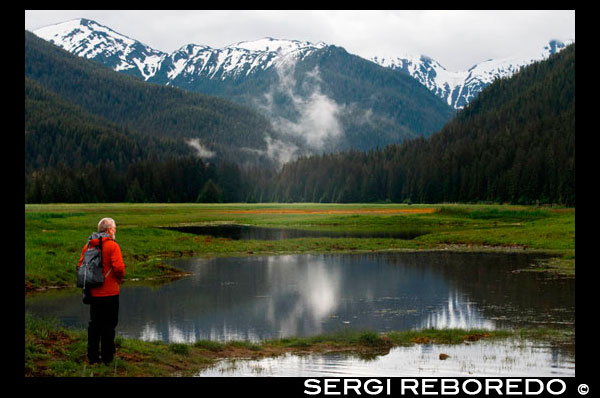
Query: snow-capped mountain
[
  {"x": 91, "y": 40},
  {"x": 458, "y": 88},
  {"x": 236, "y": 60}
]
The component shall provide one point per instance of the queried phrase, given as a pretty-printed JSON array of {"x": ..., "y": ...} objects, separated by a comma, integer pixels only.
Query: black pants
[{"x": 104, "y": 316}]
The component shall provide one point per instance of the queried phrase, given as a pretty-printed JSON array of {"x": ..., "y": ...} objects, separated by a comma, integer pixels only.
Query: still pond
[{"x": 266, "y": 297}]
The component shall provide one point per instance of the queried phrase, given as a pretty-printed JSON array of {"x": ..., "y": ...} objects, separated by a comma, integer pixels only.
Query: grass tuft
[{"x": 179, "y": 348}]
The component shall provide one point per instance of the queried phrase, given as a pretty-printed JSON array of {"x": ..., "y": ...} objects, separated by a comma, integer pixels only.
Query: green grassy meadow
[{"x": 56, "y": 233}]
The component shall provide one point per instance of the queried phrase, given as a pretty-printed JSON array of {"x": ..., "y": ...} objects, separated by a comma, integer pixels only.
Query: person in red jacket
[{"x": 104, "y": 299}]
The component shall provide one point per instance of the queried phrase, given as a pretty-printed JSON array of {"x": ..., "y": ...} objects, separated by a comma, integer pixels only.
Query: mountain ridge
[
  {"x": 73, "y": 37},
  {"x": 458, "y": 88},
  {"x": 190, "y": 61}
]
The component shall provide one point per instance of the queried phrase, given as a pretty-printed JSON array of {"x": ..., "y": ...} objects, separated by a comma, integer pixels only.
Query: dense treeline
[
  {"x": 515, "y": 143},
  {"x": 177, "y": 179}
]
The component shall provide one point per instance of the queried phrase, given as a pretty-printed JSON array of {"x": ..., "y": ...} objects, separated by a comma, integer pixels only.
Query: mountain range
[
  {"x": 318, "y": 98},
  {"x": 192, "y": 62},
  {"x": 457, "y": 89}
]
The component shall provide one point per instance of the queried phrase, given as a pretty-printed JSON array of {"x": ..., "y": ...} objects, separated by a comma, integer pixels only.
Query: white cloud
[
  {"x": 317, "y": 116},
  {"x": 201, "y": 151}
]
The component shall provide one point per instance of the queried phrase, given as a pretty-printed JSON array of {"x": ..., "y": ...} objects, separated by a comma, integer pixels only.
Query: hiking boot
[{"x": 93, "y": 361}]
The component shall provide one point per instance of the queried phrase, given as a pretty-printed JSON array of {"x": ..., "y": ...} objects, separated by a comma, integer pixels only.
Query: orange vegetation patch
[
  {"x": 476, "y": 336},
  {"x": 347, "y": 211}
]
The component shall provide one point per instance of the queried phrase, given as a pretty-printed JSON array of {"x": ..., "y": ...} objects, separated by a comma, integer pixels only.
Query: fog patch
[
  {"x": 309, "y": 123},
  {"x": 201, "y": 151},
  {"x": 278, "y": 151}
]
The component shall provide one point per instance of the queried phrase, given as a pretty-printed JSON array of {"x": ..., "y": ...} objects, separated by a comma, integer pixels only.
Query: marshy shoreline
[{"x": 54, "y": 350}]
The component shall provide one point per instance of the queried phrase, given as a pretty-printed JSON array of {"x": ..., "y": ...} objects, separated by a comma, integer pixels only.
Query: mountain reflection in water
[{"x": 256, "y": 298}]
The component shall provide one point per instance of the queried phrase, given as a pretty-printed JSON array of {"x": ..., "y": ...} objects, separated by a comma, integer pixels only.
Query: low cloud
[
  {"x": 201, "y": 151},
  {"x": 278, "y": 151},
  {"x": 316, "y": 122}
]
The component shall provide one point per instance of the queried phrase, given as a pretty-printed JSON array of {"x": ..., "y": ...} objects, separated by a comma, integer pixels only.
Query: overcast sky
[{"x": 456, "y": 39}]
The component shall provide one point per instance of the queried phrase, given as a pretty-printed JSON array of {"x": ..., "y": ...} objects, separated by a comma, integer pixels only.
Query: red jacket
[{"x": 111, "y": 258}]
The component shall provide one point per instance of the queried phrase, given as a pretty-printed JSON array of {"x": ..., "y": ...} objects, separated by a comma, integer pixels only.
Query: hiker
[{"x": 104, "y": 299}]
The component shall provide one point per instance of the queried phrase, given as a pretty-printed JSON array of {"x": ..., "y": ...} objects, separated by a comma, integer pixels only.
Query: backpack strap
[{"x": 100, "y": 240}]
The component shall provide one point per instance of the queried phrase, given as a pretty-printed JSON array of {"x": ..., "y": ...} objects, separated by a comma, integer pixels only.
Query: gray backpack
[{"x": 90, "y": 273}]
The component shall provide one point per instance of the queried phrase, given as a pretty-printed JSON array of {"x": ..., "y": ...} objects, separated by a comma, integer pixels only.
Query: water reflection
[
  {"x": 245, "y": 232},
  {"x": 255, "y": 298},
  {"x": 459, "y": 312},
  {"x": 481, "y": 359},
  {"x": 311, "y": 291}
]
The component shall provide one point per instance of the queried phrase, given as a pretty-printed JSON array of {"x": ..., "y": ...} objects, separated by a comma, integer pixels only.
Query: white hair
[{"x": 105, "y": 223}]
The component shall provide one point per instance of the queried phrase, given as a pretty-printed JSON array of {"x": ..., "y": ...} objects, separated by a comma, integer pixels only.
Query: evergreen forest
[{"x": 94, "y": 135}]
